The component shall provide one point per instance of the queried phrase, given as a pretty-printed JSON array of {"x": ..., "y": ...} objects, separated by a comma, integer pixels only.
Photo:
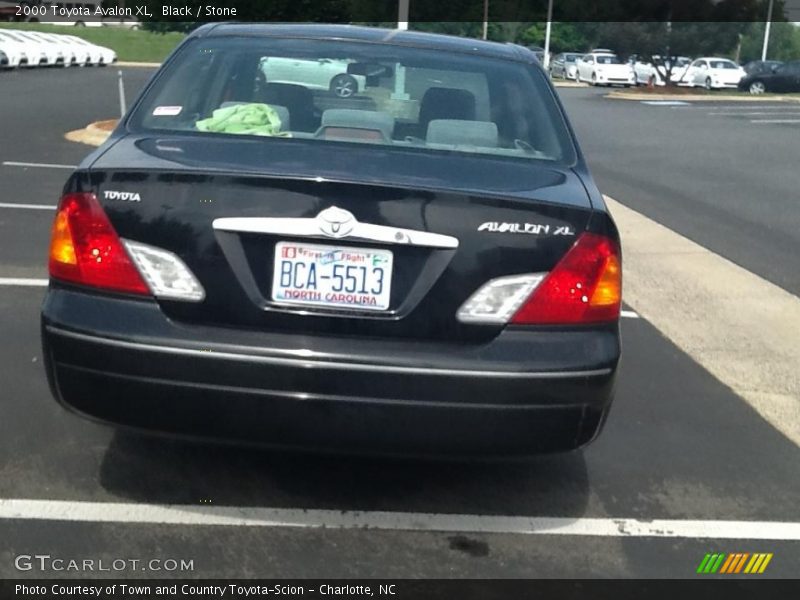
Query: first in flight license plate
[{"x": 332, "y": 276}]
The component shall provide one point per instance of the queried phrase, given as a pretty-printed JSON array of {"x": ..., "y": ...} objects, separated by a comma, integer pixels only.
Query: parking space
[
  {"x": 762, "y": 113},
  {"x": 679, "y": 445}
]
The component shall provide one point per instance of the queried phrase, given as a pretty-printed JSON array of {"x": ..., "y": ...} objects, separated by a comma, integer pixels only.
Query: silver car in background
[{"x": 563, "y": 65}]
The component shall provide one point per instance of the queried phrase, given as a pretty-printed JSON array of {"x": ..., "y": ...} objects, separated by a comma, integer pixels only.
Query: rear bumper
[{"x": 507, "y": 397}]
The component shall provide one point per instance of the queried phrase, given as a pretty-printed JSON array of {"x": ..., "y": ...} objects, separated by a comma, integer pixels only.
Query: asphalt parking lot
[{"x": 679, "y": 444}]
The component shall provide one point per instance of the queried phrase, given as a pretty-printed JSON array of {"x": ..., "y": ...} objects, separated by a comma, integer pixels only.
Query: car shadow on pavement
[{"x": 157, "y": 470}]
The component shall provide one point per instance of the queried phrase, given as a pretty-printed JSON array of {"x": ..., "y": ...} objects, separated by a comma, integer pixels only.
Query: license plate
[{"x": 332, "y": 276}]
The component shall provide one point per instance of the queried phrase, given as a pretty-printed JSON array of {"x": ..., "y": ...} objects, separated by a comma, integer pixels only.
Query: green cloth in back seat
[{"x": 250, "y": 119}]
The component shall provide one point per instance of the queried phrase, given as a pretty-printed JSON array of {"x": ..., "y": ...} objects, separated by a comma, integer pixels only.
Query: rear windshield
[{"x": 344, "y": 92}]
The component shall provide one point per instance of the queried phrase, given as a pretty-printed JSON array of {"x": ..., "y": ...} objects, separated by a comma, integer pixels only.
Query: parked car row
[
  {"x": 37, "y": 49},
  {"x": 603, "y": 67}
]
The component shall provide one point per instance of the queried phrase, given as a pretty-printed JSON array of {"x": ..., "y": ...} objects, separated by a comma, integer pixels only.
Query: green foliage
[
  {"x": 564, "y": 37},
  {"x": 784, "y": 42}
]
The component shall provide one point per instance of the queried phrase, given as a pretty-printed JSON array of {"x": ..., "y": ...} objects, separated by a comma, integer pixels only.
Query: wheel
[
  {"x": 594, "y": 78},
  {"x": 344, "y": 86},
  {"x": 708, "y": 83},
  {"x": 757, "y": 87}
]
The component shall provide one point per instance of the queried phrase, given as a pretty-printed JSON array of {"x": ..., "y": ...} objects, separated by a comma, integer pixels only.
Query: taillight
[
  {"x": 584, "y": 287},
  {"x": 85, "y": 249}
]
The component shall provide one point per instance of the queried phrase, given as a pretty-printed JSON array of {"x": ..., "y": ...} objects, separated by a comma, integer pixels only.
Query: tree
[
  {"x": 564, "y": 37},
  {"x": 669, "y": 40},
  {"x": 784, "y": 42}
]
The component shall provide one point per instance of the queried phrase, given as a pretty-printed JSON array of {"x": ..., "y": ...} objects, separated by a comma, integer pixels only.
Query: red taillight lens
[
  {"x": 584, "y": 287},
  {"x": 85, "y": 249}
]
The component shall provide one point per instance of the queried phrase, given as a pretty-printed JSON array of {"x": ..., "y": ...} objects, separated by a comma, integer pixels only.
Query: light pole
[
  {"x": 399, "y": 92},
  {"x": 402, "y": 14},
  {"x": 485, "y": 19},
  {"x": 766, "y": 32},
  {"x": 547, "y": 34}
]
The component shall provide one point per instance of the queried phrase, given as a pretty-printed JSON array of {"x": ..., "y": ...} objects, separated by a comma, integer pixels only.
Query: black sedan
[
  {"x": 426, "y": 267},
  {"x": 761, "y": 66},
  {"x": 784, "y": 78}
]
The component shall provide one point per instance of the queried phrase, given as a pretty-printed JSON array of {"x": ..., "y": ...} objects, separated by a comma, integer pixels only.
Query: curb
[
  {"x": 127, "y": 63},
  {"x": 94, "y": 134},
  {"x": 700, "y": 97}
]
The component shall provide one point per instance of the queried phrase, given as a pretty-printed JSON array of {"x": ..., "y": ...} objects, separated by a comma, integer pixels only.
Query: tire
[
  {"x": 757, "y": 87},
  {"x": 594, "y": 79},
  {"x": 708, "y": 84},
  {"x": 344, "y": 86}
]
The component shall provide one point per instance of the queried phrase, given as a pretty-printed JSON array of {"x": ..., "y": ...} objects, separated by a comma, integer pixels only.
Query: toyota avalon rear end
[{"x": 425, "y": 267}]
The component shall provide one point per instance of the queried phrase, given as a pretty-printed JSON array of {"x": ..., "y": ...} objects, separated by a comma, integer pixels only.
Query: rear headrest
[
  {"x": 446, "y": 103},
  {"x": 359, "y": 119},
  {"x": 457, "y": 132}
]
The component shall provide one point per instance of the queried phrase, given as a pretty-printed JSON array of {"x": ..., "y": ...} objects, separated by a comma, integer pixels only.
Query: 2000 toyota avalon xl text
[{"x": 424, "y": 266}]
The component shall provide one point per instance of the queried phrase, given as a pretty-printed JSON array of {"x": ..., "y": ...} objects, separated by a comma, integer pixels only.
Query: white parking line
[
  {"x": 781, "y": 121},
  {"x": 28, "y": 206},
  {"x": 23, "y": 282},
  {"x": 665, "y": 103},
  {"x": 234, "y": 516},
  {"x": 628, "y": 314},
  {"x": 754, "y": 114},
  {"x": 745, "y": 107},
  {"x": 13, "y": 163}
]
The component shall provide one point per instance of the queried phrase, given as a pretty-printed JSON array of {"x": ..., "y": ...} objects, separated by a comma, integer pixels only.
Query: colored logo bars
[{"x": 737, "y": 562}]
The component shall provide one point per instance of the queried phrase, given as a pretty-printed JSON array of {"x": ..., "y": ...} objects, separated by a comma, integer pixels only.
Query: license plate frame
[{"x": 335, "y": 288}]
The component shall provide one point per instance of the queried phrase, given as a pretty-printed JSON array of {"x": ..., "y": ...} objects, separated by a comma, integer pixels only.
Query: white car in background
[
  {"x": 98, "y": 55},
  {"x": 49, "y": 53},
  {"x": 12, "y": 54},
  {"x": 74, "y": 54},
  {"x": 648, "y": 73},
  {"x": 33, "y": 53},
  {"x": 601, "y": 68},
  {"x": 323, "y": 74},
  {"x": 713, "y": 73}
]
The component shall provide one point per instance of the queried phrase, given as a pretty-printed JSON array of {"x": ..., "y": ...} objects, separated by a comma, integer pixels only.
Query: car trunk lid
[{"x": 450, "y": 223}]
